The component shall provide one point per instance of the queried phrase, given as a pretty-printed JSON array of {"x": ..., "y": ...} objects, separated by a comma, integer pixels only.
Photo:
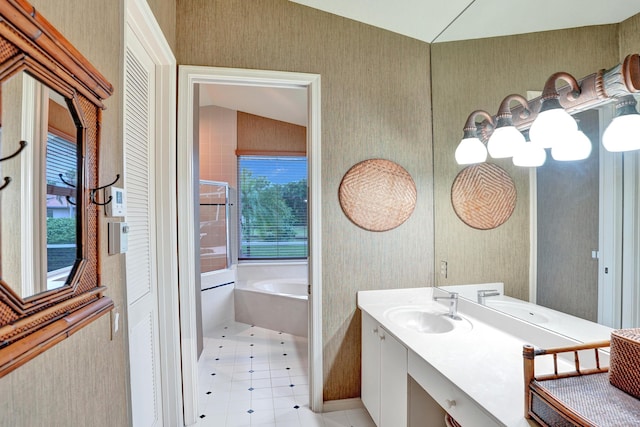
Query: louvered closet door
[{"x": 142, "y": 300}]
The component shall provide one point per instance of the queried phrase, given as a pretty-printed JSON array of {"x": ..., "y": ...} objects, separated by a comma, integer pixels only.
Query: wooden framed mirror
[{"x": 51, "y": 103}]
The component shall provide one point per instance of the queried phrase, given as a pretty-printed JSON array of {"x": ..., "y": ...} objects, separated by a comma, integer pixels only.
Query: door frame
[
  {"x": 142, "y": 23},
  {"x": 189, "y": 77}
]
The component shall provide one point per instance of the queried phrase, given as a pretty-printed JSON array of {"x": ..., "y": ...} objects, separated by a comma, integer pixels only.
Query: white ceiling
[
  {"x": 430, "y": 21},
  {"x": 277, "y": 103},
  {"x": 448, "y": 20}
]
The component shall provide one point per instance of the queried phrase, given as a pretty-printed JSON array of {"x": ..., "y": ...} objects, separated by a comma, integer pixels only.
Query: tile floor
[{"x": 250, "y": 376}]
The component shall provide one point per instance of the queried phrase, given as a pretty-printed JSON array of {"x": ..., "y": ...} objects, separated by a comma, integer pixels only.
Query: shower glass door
[{"x": 214, "y": 226}]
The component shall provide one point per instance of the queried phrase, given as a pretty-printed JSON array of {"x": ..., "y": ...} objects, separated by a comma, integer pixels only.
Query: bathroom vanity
[{"x": 419, "y": 364}]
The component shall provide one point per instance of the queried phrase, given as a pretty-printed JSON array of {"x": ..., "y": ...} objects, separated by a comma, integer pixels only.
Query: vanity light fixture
[
  {"x": 623, "y": 133},
  {"x": 506, "y": 139},
  {"x": 553, "y": 124},
  {"x": 546, "y": 123},
  {"x": 471, "y": 150}
]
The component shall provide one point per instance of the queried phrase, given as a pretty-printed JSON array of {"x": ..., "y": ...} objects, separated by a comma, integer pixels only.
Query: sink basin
[
  {"x": 521, "y": 311},
  {"x": 425, "y": 320}
]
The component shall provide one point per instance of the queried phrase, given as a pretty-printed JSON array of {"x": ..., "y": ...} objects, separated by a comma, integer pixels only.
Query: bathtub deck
[{"x": 272, "y": 311}]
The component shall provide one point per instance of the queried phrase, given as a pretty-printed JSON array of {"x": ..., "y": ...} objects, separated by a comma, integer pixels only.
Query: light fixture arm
[
  {"x": 504, "y": 116},
  {"x": 471, "y": 128},
  {"x": 550, "y": 96}
]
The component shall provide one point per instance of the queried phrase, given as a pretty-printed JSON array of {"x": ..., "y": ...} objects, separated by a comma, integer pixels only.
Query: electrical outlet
[{"x": 443, "y": 268}]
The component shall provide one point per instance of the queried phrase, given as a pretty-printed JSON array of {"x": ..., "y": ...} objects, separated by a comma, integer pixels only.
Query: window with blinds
[
  {"x": 62, "y": 224},
  {"x": 272, "y": 207}
]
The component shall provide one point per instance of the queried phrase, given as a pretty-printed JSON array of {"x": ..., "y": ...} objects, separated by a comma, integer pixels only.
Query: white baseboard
[{"x": 342, "y": 404}]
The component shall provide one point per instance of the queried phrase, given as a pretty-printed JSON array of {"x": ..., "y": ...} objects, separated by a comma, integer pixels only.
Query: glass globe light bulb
[
  {"x": 504, "y": 142},
  {"x": 470, "y": 150},
  {"x": 530, "y": 155},
  {"x": 552, "y": 127},
  {"x": 577, "y": 147},
  {"x": 622, "y": 134}
]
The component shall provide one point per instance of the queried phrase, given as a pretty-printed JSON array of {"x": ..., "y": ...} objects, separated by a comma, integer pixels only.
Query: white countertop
[{"x": 484, "y": 362}]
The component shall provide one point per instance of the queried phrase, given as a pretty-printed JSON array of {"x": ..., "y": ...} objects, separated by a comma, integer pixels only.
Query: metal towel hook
[
  {"x": 93, "y": 191},
  {"x": 70, "y": 185},
  {"x": 7, "y": 179}
]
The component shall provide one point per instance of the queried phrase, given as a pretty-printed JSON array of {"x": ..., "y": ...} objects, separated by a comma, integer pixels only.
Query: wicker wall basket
[
  {"x": 483, "y": 196},
  {"x": 377, "y": 194},
  {"x": 624, "y": 369}
]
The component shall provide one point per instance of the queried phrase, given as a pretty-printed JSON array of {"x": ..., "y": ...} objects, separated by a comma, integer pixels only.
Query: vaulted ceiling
[{"x": 435, "y": 21}]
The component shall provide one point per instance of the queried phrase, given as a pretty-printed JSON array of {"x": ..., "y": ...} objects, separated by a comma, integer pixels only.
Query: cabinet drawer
[{"x": 446, "y": 394}]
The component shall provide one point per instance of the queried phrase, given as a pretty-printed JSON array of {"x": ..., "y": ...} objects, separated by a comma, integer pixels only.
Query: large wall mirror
[
  {"x": 50, "y": 110},
  {"x": 584, "y": 215}
]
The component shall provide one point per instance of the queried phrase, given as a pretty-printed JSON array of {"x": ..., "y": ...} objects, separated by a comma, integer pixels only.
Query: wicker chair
[{"x": 582, "y": 397}]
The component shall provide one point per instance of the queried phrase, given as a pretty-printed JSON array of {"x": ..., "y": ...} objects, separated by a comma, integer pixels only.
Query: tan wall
[
  {"x": 82, "y": 381},
  {"x": 629, "y": 32},
  {"x": 375, "y": 103},
  {"x": 478, "y": 74},
  {"x": 165, "y": 13},
  {"x": 217, "y": 144},
  {"x": 256, "y": 134}
]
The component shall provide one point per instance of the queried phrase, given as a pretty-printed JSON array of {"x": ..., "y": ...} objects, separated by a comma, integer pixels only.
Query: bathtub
[{"x": 277, "y": 304}]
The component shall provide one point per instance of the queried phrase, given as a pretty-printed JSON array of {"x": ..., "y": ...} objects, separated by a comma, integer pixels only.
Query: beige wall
[
  {"x": 259, "y": 134},
  {"x": 478, "y": 74},
  {"x": 629, "y": 32},
  {"x": 62, "y": 386},
  {"x": 165, "y": 13},
  {"x": 217, "y": 144},
  {"x": 375, "y": 103}
]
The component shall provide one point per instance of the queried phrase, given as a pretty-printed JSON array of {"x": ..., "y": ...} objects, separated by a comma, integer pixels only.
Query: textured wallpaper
[{"x": 376, "y": 102}]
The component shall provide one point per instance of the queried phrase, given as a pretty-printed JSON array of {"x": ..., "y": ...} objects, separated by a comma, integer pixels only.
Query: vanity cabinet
[
  {"x": 384, "y": 375},
  {"x": 446, "y": 394}
]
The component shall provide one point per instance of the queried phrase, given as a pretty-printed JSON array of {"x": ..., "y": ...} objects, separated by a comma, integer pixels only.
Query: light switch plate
[
  {"x": 115, "y": 321},
  {"x": 118, "y": 237}
]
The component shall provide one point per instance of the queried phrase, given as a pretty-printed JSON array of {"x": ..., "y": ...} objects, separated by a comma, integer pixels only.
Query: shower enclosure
[{"x": 215, "y": 253}]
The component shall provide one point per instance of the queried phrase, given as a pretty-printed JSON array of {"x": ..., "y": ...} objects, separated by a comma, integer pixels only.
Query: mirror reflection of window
[
  {"x": 61, "y": 210},
  {"x": 61, "y": 175}
]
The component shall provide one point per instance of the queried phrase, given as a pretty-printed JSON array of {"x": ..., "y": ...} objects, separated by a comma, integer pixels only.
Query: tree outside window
[{"x": 273, "y": 207}]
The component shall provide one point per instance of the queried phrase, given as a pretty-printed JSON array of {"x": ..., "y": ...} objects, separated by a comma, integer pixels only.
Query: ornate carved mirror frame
[{"x": 29, "y": 326}]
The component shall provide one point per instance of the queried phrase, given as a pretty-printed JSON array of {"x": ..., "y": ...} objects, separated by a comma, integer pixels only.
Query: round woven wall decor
[
  {"x": 377, "y": 194},
  {"x": 483, "y": 196}
]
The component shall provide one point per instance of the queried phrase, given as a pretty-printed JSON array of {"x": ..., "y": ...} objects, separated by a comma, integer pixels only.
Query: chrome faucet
[
  {"x": 484, "y": 293},
  {"x": 453, "y": 305}
]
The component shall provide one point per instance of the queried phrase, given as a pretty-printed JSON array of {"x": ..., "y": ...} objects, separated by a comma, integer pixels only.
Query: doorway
[{"x": 190, "y": 78}]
